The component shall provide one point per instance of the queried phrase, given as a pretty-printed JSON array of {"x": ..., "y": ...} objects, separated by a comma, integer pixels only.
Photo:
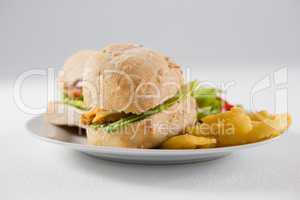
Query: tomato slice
[{"x": 227, "y": 106}]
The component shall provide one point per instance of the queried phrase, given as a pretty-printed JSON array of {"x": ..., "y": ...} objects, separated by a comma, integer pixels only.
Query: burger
[
  {"x": 137, "y": 97},
  {"x": 68, "y": 110}
]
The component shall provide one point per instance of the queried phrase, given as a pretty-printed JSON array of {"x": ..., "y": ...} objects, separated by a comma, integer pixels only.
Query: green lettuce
[
  {"x": 208, "y": 101},
  {"x": 182, "y": 94},
  {"x": 78, "y": 102}
]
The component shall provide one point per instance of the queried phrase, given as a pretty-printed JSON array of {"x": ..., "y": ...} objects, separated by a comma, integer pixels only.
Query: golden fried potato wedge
[
  {"x": 200, "y": 129},
  {"x": 259, "y": 116},
  {"x": 229, "y": 128},
  {"x": 236, "y": 118},
  {"x": 269, "y": 127},
  {"x": 260, "y": 131},
  {"x": 236, "y": 127},
  {"x": 188, "y": 142},
  {"x": 279, "y": 122}
]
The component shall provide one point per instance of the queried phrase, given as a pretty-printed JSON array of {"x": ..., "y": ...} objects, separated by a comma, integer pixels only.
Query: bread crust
[
  {"x": 150, "y": 132},
  {"x": 73, "y": 67},
  {"x": 59, "y": 113},
  {"x": 129, "y": 78}
]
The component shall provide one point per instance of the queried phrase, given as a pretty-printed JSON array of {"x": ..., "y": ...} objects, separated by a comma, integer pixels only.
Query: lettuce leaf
[
  {"x": 185, "y": 91},
  {"x": 208, "y": 101},
  {"x": 78, "y": 103}
]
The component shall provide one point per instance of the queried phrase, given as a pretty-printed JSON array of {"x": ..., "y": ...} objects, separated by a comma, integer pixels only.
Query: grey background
[
  {"x": 221, "y": 41},
  {"x": 43, "y": 33}
]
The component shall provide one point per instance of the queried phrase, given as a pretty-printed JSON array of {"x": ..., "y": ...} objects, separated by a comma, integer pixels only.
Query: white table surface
[{"x": 32, "y": 169}]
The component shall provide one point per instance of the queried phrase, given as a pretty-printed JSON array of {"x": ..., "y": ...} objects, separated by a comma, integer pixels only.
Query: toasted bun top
[
  {"x": 73, "y": 67},
  {"x": 130, "y": 78}
]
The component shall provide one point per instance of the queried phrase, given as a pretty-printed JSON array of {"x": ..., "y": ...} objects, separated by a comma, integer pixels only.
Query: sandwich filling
[
  {"x": 112, "y": 121},
  {"x": 72, "y": 95}
]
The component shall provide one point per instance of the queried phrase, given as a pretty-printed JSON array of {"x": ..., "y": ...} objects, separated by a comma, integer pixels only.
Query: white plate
[{"x": 70, "y": 138}]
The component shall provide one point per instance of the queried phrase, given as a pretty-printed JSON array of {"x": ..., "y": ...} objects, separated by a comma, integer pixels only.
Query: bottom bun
[
  {"x": 150, "y": 132},
  {"x": 59, "y": 113}
]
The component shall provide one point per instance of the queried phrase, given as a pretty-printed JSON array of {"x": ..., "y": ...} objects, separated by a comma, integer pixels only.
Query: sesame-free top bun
[
  {"x": 73, "y": 67},
  {"x": 130, "y": 78}
]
